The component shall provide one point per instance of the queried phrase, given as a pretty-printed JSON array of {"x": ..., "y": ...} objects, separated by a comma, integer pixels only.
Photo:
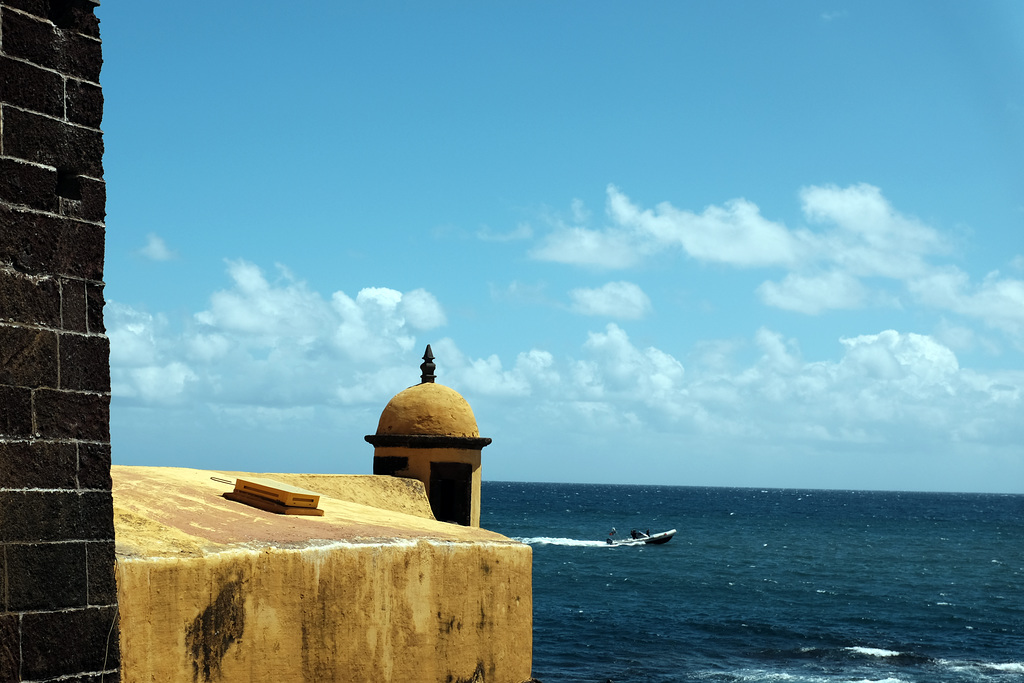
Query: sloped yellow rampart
[{"x": 211, "y": 590}]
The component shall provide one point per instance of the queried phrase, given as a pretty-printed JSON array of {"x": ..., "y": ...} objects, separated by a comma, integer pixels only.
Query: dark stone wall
[{"x": 58, "y": 599}]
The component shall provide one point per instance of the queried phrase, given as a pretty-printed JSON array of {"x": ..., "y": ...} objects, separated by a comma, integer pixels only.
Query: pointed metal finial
[{"x": 427, "y": 367}]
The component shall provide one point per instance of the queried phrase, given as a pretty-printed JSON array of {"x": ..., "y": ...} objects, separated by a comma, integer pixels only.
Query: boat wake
[{"x": 546, "y": 540}]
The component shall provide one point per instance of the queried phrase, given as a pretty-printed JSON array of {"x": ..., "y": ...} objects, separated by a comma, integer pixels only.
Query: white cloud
[
  {"x": 812, "y": 294},
  {"x": 156, "y": 249},
  {"x": 891, "y": 355},
  {"x": 488, "y": 376},
  {"x": 614, "y": 300},
  {"x": 871, "y": 238},
  {"x": 374, "y": 387},
  {"x": 371, "y": 327},
  {"x": 998, "y": 301},
  {"x": 208, "y": 347},
  {"x": 857, "y": 251},
  {"x": 281, "y": 345},
  {"x": 337, "y": 360},
  {"x": 142, "y": 357},
  {"x": 133, "y": 335},
  {"x": 886, "y": 388},
  {"x": 611, "y": 249},
  {"x": 649, "y": 375},
  {"x": 273, "y": 344},
  {"x": 271, "y": 349},
  {"x": 580, "y": 212},
  {"x": 780, "y": 354},
  {"x": 255, "y": 306},
  {"x": 538, "y": 367},
  {"x": 422, "y": 310},
  {"x": 735, "y": 234},
  {"x": 160, "y": 384}
]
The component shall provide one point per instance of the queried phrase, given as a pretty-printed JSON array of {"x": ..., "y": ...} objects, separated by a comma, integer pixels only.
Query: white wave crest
[
  {"x": 547, "y": 540},
  {"x": 761, "y": 676},
  {"x": 972, "y": 668},
  {"x": 873, "y": 651}
]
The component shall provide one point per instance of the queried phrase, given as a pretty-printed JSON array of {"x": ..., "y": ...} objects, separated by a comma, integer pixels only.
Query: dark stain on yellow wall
[{"x": 214, "y": 630}]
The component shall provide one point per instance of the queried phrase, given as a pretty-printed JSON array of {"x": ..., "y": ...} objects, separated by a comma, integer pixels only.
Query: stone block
[
  {"x": 94, "y": 200},
  {"x": 46, "y": 636},
  {"x": 15, "y": 412},
  {"x": 74, "y": 312},
  {"x": 72, "y": 415},
  {"x": 51, "y": 142},
  {"x": 84, "y": 102},
  {"x": 39, "y": 245},
  {"x": 31, "y": 38},
  {"x": 38, "y": 8},
  {"x": 27, "y": 184},
  {"x": 97, "y": 516},
  {"x": 49, "y": 516},
  {"x": 28, "y": 357},
  {"x": 46, "y": 576},
  {"x": 41, "y": 42},
  {"x": 28, "y": 86},
  {"x": 31, "y": 301},
  {"x": 84, "y": 362},
  {"x": 94, "y": 466},
  {"x": 40, "y": 516},
  {"x": 89, "y": 202},
  {"x": 38, "y": 464},
  {"x": 10, "y": 646},
  {"x": 102, "y": 586},
  {"x": 94, "y": 305}
]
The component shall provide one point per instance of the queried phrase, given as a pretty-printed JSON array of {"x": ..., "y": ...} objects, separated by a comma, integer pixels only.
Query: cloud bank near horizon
[{"x": 270, "y": 350}]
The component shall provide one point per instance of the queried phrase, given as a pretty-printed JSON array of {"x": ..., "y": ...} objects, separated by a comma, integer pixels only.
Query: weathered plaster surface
[
  {"x": 211, "y": 590},
  {"x": 431, "y": 409},
  {"x": 418, "y": 461}
]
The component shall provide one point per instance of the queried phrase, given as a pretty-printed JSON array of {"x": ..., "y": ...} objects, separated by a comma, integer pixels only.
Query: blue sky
[{"x": 728, "y": 244}]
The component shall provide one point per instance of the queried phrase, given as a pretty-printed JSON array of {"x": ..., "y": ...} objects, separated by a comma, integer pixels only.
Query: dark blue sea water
[{"x": 770, "y": 585}]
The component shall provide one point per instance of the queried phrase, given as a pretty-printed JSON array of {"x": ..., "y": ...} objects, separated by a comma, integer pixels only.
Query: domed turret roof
[
  {"x": 428, "y": 415},
  {"x": 428, "y": 409}
]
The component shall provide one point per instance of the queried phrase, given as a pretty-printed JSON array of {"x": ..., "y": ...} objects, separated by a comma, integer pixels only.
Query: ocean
[{"x": 770, "y": 585}]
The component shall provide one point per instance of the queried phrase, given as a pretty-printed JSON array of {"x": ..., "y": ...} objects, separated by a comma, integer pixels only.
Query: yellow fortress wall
[{"x": 213, "y": 590}]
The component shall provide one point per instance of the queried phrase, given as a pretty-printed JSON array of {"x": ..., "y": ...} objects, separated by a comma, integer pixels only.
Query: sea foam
[{"x": 546, "y": 540}]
